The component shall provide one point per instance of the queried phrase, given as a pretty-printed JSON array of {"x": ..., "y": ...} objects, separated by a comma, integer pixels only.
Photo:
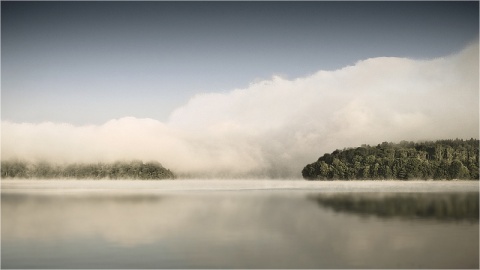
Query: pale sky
[{"x": 90, "y": 62}]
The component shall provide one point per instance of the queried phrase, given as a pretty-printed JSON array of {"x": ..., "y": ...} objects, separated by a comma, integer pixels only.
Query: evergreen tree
[
  {"x": 118, "y": 170},
  {"x": 443, "y": 159}
]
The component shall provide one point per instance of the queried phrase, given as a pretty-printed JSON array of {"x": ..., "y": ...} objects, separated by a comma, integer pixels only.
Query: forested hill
[
  {"x": 443, "y": 159},
  {"x": 116, "y": 170}
]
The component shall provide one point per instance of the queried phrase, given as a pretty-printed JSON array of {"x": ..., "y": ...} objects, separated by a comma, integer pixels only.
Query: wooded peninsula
[
  {"x": 117, "y": 170},
  {"x": 442, "y": 159},
  {"x": 437, "y": 160}
]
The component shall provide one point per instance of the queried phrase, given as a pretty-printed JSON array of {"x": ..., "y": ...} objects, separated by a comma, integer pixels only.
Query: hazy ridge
[{"x": 118, "y": 170}]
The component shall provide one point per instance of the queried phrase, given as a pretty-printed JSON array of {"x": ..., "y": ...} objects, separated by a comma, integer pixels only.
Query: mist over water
[
  {"x": 234, "y": 224},
  {"x": 275, "y": 127}
]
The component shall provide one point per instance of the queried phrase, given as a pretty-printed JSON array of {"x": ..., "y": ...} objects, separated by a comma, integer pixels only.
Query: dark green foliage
[
  {"x": 444, "y": 159},
  {"x": 117, "y": 170}
]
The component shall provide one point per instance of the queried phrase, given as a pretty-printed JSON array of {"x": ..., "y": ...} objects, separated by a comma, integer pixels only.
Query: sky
[
  {"x": 233, "y": 88},
  {"x": 90, "y": 62}
]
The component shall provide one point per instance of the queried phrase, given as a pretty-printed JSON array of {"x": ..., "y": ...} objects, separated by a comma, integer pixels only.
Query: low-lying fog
[{"x": 275, "y": 127}]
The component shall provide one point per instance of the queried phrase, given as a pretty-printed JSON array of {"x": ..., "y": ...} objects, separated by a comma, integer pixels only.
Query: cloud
[{"x": 275, "y": 127}]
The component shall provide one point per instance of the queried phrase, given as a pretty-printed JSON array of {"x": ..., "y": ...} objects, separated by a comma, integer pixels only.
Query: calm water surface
[{"x": 239, "y": 224}]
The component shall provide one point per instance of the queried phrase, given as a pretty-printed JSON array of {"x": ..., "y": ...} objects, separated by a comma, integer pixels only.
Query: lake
[{"x": 239, "y": 224}]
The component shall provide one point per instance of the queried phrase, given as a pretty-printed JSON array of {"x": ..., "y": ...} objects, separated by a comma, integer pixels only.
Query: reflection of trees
[
  {"x": 98, "y": 199},
  {"x": 443, "y": 206}
]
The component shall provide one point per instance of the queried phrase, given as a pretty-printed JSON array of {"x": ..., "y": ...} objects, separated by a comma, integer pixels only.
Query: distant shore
[{"x": 187, "y": 185}]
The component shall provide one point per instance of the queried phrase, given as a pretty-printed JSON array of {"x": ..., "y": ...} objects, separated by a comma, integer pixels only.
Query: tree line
[
  {"x": 117, "y": 170},
  {"x": 442, "y": 159}
]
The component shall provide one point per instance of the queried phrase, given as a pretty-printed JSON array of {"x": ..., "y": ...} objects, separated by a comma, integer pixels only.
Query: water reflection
[
  {"x": 439, "y": 206},
  {"x": 123, "y": 219},
  {"x": 219, "y": 230}
]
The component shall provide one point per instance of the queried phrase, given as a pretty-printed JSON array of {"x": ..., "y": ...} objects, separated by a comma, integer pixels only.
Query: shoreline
[{"x": 241, "y": 185}]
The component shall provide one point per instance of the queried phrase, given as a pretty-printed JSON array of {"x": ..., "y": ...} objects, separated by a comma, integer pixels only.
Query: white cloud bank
[{"x": 275, "y": 127}]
